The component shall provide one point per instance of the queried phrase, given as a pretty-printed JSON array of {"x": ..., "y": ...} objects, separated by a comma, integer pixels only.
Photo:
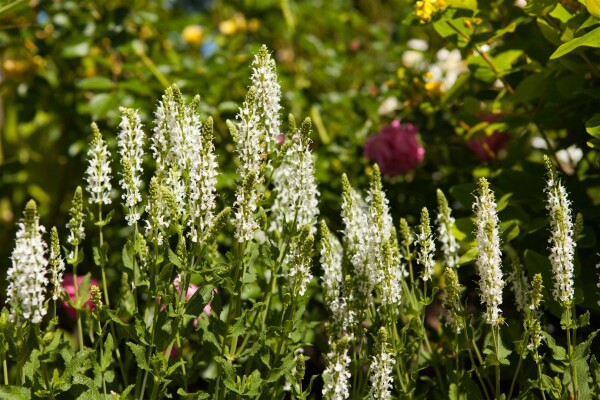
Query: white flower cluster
[
  {"x": 489, "y": 257},
  {"x": 561, "y": 239},
  {"x": 520, "y": 286},
  {"x": 381, "y": 374},
  {"x": 98, "y": 172},
  {"x": 426, "y": 246},
  {"x": 186, "y": 165},
  {"x": 336, "y": 377},
  {"x": 268, "y": 94},
  {"x": 297, "y": 195},
  {"x": 57, "y": 265},
  {"x": 299, "y": 260},
  {"x": 131, "y": 150},
  {"x": 445, "y": 222},
  {"x": 26, "y": 277},
  {"x": 334, "y": 292}
]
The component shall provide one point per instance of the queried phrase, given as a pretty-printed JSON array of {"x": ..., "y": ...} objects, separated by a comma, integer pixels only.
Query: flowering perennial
[
  {"x": 268, "y": 94},
  {"x": 57, "y": 265},
  {"x": 336, "y": 376},
  {"x": 445, "y": 222},
  {"x": 98, "y": 172},
  {"x": 296, "y": 201},
  {"x": 489, "y": 257},
  {"x": 27, "y": 276},
  {"x": 561, "y": 239},
  {"x": 381, "y": 370},
  {"x": 426, "y": 246},
  {"x": 131, "y": 150}
]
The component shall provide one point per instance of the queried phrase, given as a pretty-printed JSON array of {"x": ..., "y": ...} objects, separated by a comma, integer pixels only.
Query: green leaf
[
  {"x": 127, "y": 256},
  {"x": 590, "y": 39},
  {"x": 140, "y": 355},
  {"x": 468, "y": 257},
  {"x": 592, "y": 126},
  {"x": 192, "y": 396},
  {"x": 558, "y": 353},
  {"x": 539, "y": 7},
  {"x": 109, "y": 346},
  {"x": 95, "y": 83},
  {"x": 286, "y": 366},
  {"x": 15, "y": 393}
]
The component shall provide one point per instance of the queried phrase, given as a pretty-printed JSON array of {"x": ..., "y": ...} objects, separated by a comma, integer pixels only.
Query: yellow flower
[
  {"x": 227, "y": 27},
  {"x": 193, "y": 35},
  {"x": 424, "y": 9}
]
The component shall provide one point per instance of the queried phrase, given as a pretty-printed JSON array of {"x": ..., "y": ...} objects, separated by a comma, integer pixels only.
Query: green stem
[
  {"x": 5, "y": 370},
  {"x": 481, "y": 382},
  {"x": 496, "y": 338},
  {"x": 11, "y": 6},
  {"x": 539, "y": 368},
  {"x": 514, "y": 380}
]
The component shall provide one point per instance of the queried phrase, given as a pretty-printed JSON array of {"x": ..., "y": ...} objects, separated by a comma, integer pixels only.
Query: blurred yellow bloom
[
  {"x": 253, "y": 25},
  {"x": 433, "y": 88},
  {"x": 424, "y": 9},
  {"x": 193, "y": 35},
  {"x": 227, "y": 27}
]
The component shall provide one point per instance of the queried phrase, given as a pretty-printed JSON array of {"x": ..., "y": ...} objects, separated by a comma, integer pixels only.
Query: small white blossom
[
  {"x": 331, "y": 263},
  {"x": 489, "y": 257},
  {"x": 27, "y": 276},
  {"x": 57, "y": 265},
  {"x": 562, "y": 251},
  {"x": 131, "y": 150},
  {"x": 336, "y": 377},
  {"x": 268, "y": 94},
  {"x": 520, "y": 286},
  {"x": 426, "y": 246},
  {"x": 381, "y": 371},
  {"x": 98, "y": 172},
  {"x": 445, "y": 222},
  {"x": 297, "y": 195}
]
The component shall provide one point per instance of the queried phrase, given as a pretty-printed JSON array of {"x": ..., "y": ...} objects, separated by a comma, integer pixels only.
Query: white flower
[
  {"x": 426, "y": 246},
  {"x": 381, "y": 371},
  {"x": 331, "y": 263},
  {"x": 26, "y": 277},
  {"x": 131, "y": 149},
  {"x": 57, "y": 265},
  {"x": 336, "y": 377},
  {"x": 520, "y": 286},
  {"x": 268, "y": 94},
  {"x": 489, "y": 257},
  {"x": 448, "y": 66},
  {"x": 98, "y": 172},
  {"x": 445, "y": 222},
  {"x": 561, "y": 237},
  {"x": 294, "y": 180}
]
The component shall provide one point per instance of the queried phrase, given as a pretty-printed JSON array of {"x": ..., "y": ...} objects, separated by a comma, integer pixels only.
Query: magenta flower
[
  {"x": 69, "y": 287},
  {"x": 395, "y": 149},
  {"x": 487, "y": 147}
]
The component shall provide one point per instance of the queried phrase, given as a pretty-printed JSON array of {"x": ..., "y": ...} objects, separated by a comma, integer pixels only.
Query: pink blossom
[
  {"x": 190, "y": 292},
  {"x": 395, "y": 149},
  {"x": 69, "y": 287},
  {"x": 487, "y": 147}
]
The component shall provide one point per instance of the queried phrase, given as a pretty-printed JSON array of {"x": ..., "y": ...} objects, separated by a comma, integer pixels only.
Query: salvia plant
[{"x": 208, "y": 294}]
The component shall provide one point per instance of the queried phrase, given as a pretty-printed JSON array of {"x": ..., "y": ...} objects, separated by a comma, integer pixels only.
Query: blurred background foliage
[{"x": 464, "y": 74}]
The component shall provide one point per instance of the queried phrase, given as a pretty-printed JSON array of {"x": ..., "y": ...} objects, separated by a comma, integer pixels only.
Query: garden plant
[{"x": 252, "y": 249}]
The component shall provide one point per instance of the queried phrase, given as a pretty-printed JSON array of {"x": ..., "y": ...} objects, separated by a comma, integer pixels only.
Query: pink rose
[
  {"x": 395, "y": 149},
  {"x": 487, "y": 147},
  {"x": 69, "y": 287}
]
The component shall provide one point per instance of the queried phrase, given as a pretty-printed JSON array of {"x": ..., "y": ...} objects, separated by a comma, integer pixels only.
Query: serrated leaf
[
  {"x": 109, "y": 346},
  {"x": 582, "y": 350},
  {"x": 590, "y": 39},
  {"x": 286, "y": 366},
  {"x": 174, "y": 259},
  {"x": 127, "y": 256},
  {"x": 558, "y": 353},
  {"x": 140, "y": 355}
]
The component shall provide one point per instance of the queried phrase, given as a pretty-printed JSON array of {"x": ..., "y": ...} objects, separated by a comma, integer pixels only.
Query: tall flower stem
[{"x": 496, "y": 339}]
